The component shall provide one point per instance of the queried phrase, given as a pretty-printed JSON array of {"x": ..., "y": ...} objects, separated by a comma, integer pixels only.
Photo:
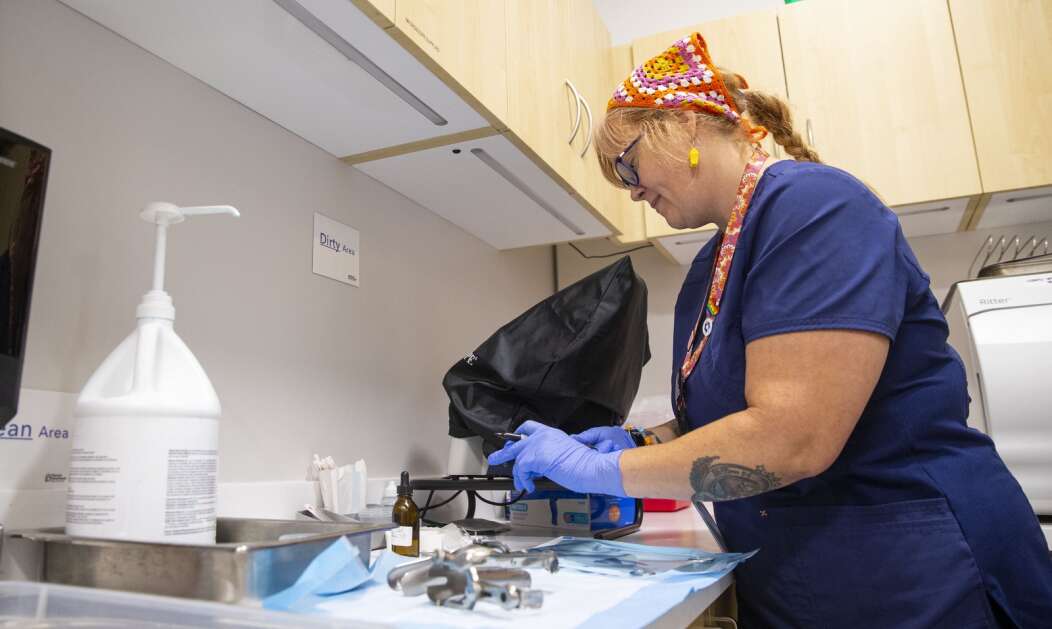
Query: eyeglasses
[{"x": 625, "y": 171}]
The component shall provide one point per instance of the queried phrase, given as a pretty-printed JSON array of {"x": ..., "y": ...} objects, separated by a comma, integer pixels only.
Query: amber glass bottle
[{"x": 405, "y": 540}]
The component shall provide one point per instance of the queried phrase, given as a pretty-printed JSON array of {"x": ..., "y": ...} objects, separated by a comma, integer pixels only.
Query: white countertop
[
  {"x": 681, "y": 528},
  {"x": 678, "y": 528}
]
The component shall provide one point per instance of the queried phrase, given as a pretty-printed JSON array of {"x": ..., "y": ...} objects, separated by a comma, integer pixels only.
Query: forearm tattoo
[{"x": 713, "y": 482}]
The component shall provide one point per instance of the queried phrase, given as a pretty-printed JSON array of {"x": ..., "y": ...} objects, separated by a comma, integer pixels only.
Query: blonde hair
[{"x": 668, "y": 133}]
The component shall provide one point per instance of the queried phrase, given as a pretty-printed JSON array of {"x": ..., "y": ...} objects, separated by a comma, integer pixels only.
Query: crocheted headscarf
[{"x": 682, "y": 77}]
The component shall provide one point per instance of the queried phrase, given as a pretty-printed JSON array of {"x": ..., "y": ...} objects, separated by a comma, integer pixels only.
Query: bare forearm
[
  {"x": 734, "y": 457},
  {"x": 806, "y": 392}
]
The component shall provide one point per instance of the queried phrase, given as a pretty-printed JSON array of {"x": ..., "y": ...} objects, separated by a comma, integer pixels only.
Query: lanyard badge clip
[{"x": 706, "y": 327}]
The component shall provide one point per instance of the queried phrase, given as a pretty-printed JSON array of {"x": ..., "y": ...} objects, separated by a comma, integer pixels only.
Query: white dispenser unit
[
  {"x": 1002, "y": 327},
  {"x": 143, "y": 464}
]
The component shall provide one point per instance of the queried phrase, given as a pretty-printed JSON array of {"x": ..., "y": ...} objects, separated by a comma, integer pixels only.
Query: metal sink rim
[{"x": 57, "y": 535}]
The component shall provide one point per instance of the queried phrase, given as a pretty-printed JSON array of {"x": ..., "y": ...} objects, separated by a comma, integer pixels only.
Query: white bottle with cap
[
  {"x": 390, "y": 494},
  {"x": 144, "y": 452}
]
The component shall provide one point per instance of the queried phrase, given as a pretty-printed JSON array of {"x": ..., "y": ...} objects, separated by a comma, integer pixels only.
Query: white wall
[
  {"x": 628, "y": 19},
  {"x": 302, "y": 364}
]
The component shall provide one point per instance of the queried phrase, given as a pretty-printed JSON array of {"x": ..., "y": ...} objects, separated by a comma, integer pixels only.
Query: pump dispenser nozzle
[{"x": 156, "y": 304}]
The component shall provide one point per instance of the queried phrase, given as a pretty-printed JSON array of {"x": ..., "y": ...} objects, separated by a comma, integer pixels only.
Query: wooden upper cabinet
[
  {"x": 747, "y": 44},
  {"x": 1005, "y": 50},
  {"x": 541, "y": 108},
  {"x": 631, "y": 222},
  {"x": 557, "y": 50},
  {"x": 581, "y": 66},
  {"x": 602, "y": 66},
  {"x": 468, "y": 41},
  {"x": 877, "y": 86},
  {"x": 592, "y": 74}
]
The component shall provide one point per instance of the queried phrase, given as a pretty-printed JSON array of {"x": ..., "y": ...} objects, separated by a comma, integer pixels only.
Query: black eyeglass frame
[{"x": 625, "y": 171}]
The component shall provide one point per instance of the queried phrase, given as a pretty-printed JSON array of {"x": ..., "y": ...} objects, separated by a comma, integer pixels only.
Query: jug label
[
  {"x": 144, "y": 478},
  {"x": 92, "y": 495},
  {"x": 190, "y": 504}
]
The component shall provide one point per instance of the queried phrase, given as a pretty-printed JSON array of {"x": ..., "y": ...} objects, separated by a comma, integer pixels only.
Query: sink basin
[{"x": 251, "y": 559}]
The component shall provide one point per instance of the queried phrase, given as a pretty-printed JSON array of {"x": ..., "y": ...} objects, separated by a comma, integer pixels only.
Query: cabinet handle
[
  {"x": 577, "y": 118},
  {"x": 810, "y": 133},
  {"x": 588, "y": 138}
]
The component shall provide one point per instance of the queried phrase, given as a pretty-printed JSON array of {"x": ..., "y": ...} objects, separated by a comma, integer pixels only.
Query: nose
[{"x": 637, "y": 192}]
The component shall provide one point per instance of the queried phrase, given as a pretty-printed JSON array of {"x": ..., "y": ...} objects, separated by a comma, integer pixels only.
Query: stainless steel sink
[{"x": 252, "y": 559}]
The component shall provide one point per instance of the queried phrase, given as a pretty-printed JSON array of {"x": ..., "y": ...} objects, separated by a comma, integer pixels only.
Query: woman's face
[{"x": 683, "y": 196}]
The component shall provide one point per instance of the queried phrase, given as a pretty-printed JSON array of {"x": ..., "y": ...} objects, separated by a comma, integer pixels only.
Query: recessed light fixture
[
  {"x": 499, "y": 168},
  {"x": 357, "y": 57},
  {"x": 927, "y": 210},
  {"x": 1031, "y": 197}
]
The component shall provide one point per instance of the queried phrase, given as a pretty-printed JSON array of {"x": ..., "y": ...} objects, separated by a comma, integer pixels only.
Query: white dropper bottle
[{"x": 145, "y": 442}]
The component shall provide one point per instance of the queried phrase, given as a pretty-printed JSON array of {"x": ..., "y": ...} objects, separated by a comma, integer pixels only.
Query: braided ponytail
[{"x": 772, "y": 113}]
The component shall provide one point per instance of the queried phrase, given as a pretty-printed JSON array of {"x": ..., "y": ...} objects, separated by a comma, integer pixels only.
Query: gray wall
[
  {"x": 946, "y": 258},
  {"x": 302, "y": 364}
]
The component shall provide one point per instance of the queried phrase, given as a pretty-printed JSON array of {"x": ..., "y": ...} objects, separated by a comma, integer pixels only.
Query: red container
[{"x": 663, "y": 504}]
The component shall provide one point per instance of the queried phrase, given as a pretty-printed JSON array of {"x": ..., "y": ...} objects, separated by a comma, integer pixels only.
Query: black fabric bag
[{"x": 573, "y": 361}]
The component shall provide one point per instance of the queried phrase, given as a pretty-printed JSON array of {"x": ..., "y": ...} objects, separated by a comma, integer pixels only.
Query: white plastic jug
[{"x": 145, "y": 441}]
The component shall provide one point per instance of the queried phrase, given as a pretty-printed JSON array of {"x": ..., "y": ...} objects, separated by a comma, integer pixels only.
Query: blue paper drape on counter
[{"x": 637, "y": 560}]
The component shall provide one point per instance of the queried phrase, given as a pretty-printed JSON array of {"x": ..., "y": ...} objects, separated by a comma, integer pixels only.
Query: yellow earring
[{"x": 694, "y": 157}]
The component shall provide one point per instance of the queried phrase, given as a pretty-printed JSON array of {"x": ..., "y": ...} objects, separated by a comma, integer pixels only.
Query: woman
[{"x": 818, "y": 403}]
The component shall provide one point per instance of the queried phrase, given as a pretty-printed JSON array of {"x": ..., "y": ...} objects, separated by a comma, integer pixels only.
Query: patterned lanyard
[{"x": 720, "y": 269}]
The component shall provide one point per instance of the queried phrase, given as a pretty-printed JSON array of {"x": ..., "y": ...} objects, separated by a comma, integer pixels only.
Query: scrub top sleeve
[{"x": 824, "y": 256}]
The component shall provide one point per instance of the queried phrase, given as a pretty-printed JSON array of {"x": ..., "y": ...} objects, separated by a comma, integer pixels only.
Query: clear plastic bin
[{"x": 28, "y": 605}]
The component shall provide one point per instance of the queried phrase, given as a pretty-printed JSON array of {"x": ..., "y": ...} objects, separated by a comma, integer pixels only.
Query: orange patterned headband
[{"x": 682, "y": 77}]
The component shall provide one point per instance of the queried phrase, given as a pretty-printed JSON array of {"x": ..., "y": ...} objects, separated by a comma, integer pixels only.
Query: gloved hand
[
  {"x": 550, "y": 452},
  {"x": 606, "y": 438}
]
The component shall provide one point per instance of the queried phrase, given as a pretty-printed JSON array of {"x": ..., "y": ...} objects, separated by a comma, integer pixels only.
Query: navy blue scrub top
[{"x": 917, "y": 523}]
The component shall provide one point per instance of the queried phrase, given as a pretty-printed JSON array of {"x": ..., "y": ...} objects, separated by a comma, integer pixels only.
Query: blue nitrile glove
[
  {"x": 606, "y": 438},
  {"x": 550, "y": 452}
]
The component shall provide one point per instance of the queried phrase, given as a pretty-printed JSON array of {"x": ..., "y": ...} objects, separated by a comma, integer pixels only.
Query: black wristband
[{"x": 638, "y": 437}]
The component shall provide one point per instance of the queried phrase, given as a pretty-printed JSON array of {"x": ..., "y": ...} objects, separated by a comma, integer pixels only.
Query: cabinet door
[
  {"x": 560, "y": 70},
  {"x": 468, "y": 42},
  {"x": 582, "y": 49},
  {"x": 541, "y": 109},
  {"x": 1005, "y": 48},
  {"x": 630, "y": 218},
  {"x": 878, "y": 87},
  {"x": 747, "y": 44},
  {"x": 593, "y": 75}
]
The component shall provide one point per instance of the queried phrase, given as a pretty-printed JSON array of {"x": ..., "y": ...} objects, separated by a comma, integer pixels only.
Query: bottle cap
[{"x": 404, "y": 489}]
